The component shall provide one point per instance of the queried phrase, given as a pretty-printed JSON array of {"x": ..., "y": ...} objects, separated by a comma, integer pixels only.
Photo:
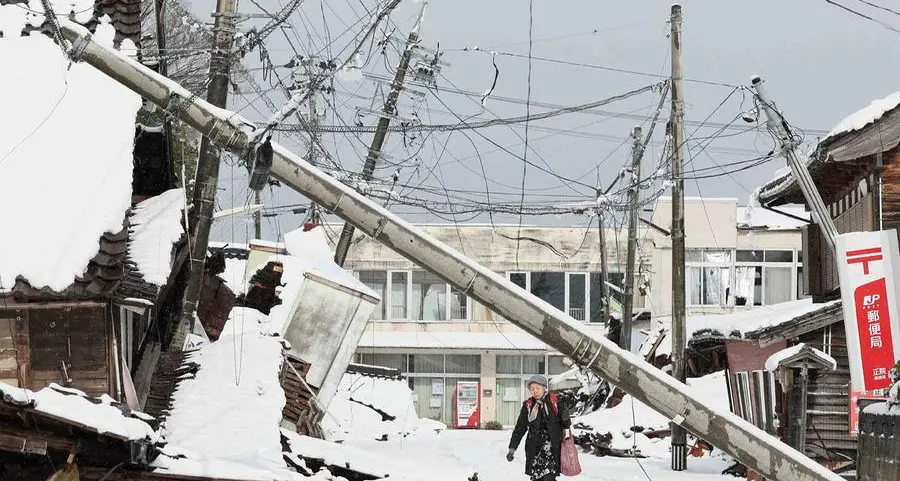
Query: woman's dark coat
[{"x": 555, "y": 423}]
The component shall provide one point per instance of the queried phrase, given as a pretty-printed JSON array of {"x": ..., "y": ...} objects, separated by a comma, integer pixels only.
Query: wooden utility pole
[
  {"x": 389, "y": 110},
  {"x": 634, "y": 206},
  {"x": 207, "y": 178},
  {"x": 679, "y": 437}
]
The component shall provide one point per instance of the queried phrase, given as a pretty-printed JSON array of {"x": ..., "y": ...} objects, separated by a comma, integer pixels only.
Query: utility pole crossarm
[{"x": 748, "y": 444}]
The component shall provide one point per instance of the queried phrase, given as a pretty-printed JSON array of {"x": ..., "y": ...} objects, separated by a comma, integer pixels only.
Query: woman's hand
[{"x": 510, "y": 455}]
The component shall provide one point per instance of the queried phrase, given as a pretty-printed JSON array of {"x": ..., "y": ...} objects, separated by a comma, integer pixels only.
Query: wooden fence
[{"x": 879, "y": 447}]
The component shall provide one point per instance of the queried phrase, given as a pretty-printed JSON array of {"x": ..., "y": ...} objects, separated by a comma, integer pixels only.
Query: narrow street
[{"x": 458, "y": 454}]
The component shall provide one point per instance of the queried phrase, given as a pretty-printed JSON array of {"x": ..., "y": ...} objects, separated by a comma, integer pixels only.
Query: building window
[
  {"x": 426, "y": 363},
  {"x": 392, "y": 361},
  {"x": 534, "y": 365},
  {"x": 463, "y": 364},
  {"x": 550, "y": 287},
  {"x": 399, "y": 298},
  {"x": 520, "y": 279},
  {"x": 509, "y": 364},
  {"x": 429, "y": 296},
  {"x": 708, "y": 286},
  {"x": 377, "y": 281},
  {"x": 764, "y": 277},
  {"x": 555, "y": 365},
  {"x": 577, "y": 295},
  {"x": 708, "y": 277},
  {"x": 459, "y": 308}
]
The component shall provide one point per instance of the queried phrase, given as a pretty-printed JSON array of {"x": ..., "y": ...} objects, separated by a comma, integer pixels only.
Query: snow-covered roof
[
  {"x": 65, "y": 157},
  {"x": 799, "y": 351},
  {"x": 751, "y": 322},
  {"x": 78, "y": 408},
  {"x": 453, "y": 340},
  {"x": 231, "y": 411},
  {"x": 865, "y": 116},
  {"x": 759, "y": 218},
  {"x": 155, "y": 228}
]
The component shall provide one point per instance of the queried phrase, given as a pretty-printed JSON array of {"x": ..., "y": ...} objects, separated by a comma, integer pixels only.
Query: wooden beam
[
  {"x": 18, "y": 444},
  {"x": 45, "y": 439}
]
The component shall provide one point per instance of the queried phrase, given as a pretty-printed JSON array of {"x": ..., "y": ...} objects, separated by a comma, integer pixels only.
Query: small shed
[{"x": 324, "y": 309}]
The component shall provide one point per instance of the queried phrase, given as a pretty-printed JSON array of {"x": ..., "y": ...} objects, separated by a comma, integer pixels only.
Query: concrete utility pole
[
  {"x": 748, "y": 444},
  {"x": 679, "y": 436},
  {"x": 389, "y": 110},
  {"x": 634, "y": 205},
  {"x": 207, "y": 179},
  {"x": 604, "y": 268},
  {"x": 782, "y": 130}
]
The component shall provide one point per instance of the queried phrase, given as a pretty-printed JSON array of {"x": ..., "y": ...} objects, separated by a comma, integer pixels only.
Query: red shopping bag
[{"x": 568, "y": 464}]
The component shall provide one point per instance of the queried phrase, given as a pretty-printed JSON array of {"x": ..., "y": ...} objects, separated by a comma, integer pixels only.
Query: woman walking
[{"x": 544, "y": 422}]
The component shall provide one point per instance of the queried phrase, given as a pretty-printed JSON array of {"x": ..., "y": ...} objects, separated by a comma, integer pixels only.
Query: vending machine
[{"x": 468, "y": 404}]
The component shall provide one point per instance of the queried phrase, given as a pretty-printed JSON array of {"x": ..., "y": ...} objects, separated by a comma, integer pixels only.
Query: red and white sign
[{"x": 868, "y": 264}]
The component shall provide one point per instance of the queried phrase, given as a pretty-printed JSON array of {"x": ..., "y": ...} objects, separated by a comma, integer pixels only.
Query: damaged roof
[
  {"x": 865, "y": 133},
  {"x": 65, "y": 169}
]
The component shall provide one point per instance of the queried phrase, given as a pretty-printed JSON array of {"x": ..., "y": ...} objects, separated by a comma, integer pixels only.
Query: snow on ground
[
  {"x": 351, "y": 417},
  {"x": 630, "y": 412},
  {"x": 155, "y": 228},
  {"x": 74, "y": 405},
  {"x": 456, "y": 454},
  {"x": 68, "y": 131}
]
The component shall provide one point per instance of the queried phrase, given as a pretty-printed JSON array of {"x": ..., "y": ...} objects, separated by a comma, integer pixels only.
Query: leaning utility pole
[
  {"x": 389, "y": 110},
  {"x": 789, "y": 142},
  {"x": 634, "y": 192},
  {"x": 747, "y": 443},
  {"x": 679, "y": 436},
  {"x": 207, "y": 177}
]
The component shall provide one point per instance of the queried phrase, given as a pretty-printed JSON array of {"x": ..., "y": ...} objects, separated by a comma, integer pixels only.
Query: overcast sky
[{"x": 821, "y": 64}]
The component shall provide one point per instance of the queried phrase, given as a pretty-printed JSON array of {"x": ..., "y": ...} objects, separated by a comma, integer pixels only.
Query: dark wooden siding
[
  {"x": 819, "y": 265},
  {"x": 73, "y": 342},
  {"x": 828, "y": 408},
  {"x": 890, "y": 178}
]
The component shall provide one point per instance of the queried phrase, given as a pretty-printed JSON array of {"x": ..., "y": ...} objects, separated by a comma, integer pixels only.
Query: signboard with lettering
[{"x": 868, "y": 263}]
